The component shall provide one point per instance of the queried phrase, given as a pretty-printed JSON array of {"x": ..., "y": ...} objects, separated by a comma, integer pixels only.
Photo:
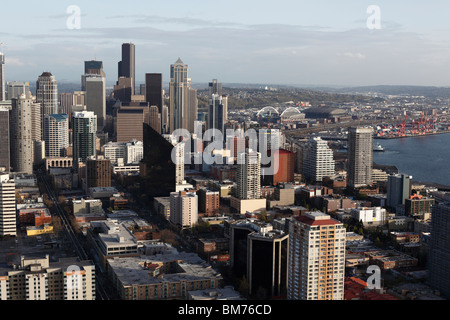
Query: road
[{"x": 101, "y": 294}]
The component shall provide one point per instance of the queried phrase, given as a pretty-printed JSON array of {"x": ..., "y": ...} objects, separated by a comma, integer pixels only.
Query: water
[{"x": 426, "y": 158}]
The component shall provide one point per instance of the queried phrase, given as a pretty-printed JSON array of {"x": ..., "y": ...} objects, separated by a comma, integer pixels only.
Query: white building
[
  {"x": 318, "y": 161},
  {"x": 131, "y": 152},
  {"x": 184, "y": 208},
  {"x": 7, "y": 206},
  {"x": 316, "y": 258},
  {"x": 56, "y": 134},
  {"x": 248, "y": 175},
  {"x": 369, "y": 216}
]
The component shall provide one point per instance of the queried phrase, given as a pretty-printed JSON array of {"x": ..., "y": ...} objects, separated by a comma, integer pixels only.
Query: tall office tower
[
  {"x": 183, "y": 99},
  {"x": 21, "y": 138},
  {"x": 318, "y": 161},
  {"x": 16, "y": 88},
  {"x": 130, "y": 118},
  {"x": 216, "y": 113},
  {"x": 360, "y": 163},
  {"x": 66, "y": 101},
  {"x": 84, "y": 136},
  {"x": 156, "y": 170},
  {"x": 7, "y": 206},
  {"x": 95, "y": 98},
  {"x": 184, "y": 209},
  {"x": 439, "y": 249},
  {"x": 165, "y": 119},
  {"x": 56, "y": 134},
  {"x": 316, "y": 258},
  {"x": 248, "y": 175},
  {"x": 4, "y": 139},
  {"x": 267, "y": 254},
  {"x": 94, "y": 67},
  {"x": 127, "y": 65},
  {"x": 155, "y": 119},
  {"x": 79, "y": 98},
  {"x": 398, "y": 189},
  {"x": 236, "y": 145},
  {"x": 154, "y": 90},
  {"x": 47, "y": 93},
  {"x": 98, "y": 172},
  {"x": 2, "y": 77},
  {"x": 215, "y": 87}
]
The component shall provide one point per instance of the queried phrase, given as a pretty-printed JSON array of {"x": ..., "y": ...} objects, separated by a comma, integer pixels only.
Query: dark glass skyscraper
[
  {"x": 154, "y": 90},
  {"x": 127, "y": 65}
]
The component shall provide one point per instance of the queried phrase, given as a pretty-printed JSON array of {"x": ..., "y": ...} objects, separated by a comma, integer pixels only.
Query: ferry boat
[{"x": 378, "y": 147}]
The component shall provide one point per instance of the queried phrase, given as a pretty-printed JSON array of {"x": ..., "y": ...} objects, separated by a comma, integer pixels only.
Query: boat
[{"x": 378, "y": 147}]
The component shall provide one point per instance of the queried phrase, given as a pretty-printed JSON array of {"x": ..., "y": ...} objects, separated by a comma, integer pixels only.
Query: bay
[{"x": 425, "y": 158}]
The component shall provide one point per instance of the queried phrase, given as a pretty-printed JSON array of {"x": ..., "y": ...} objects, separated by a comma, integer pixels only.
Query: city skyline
[{"x": 290, "y": 43}]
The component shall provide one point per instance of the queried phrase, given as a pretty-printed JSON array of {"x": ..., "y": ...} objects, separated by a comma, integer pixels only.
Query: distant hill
[{"x": 426, "y": 91}]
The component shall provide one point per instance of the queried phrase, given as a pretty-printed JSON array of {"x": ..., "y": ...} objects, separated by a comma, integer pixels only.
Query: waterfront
[{"x": 426, "y": 158}]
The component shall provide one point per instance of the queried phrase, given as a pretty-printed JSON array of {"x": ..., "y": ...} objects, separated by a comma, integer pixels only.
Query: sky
[{"x": 288, "y": 42}]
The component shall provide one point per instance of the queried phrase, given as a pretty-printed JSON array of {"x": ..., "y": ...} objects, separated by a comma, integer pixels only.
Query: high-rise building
[
  {"x": 94, "y": 67},
  {"x": 439, "y": 249},
  {"x": 37, "y": 124},
  {"x": 316, "y": 258},
  {"x": 126, "y": 66},
  {"x": 318, "y": 161},
  {"x": 157, "y": 169},
  {"x": 215, "y": 87},
  {"x": 360, "y": 163},
  {"x": 21, "y": 137},
  {"x": 4, "y": 139},
  {"x": 95, "y": 97},
  {"x": 16, "y": 88},
  {"x": 183, "y": 99},
  {"x": 7, "y": 206},
  {"x": 184, "y": 209},
  {"x": 130, "y": 152},
  {"x": 216, "y": 113},
  {"x": 154, "y": 90},
  {"x": 2, "y": 77},
  {"x": 130, "y": 118},
  {"x": 208, "y": 201},
  {"x": 155, "y": 118},
  {"x": 165, "y": 119},
  {"x": 66, "y": 101},
  {"x": 248, "y": 175},
  {"x": 98, "y": 172},
  {"x": 398, "y": 189},
  {"x": 47, "y": 93},
  {"x": 84, "y": 136},
  {"x": 56, "y": 134}
]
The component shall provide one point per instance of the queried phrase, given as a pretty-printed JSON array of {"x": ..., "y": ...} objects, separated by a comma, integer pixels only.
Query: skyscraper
[
  {"x": 4, "y": 139},
  {"x": 47, "y": 93},
  {"x": 216, "y": 113},
  {"x": 95, "y": 98},
  {"x": 84, "y": 136},
  {"x": 248, "y": 175},
  {"x": 316, "y": 258},
  {"x": 16, "y": 88},
  {"x": 7, "y": 206},
  {"x": 360, "y": 163},
  {"x": 126, "y": 66},
  {"x": 215, "y": 87},
  {"x": 439, "y": 249},
  {"x": 184, "y": 209},
  {"x": 154, "y": 90},
  {"x": 318, "y": 161},
  {"x": 2, "y": 77},
  {"x": 21, "y": 138},
  {"x": 183, "y": 99},
  {"x": 398, "y": 189},
  {"x": 98, "y": 172},
  {"x": 155, "y": 118},
  {"x": 56, "y": 134}
]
